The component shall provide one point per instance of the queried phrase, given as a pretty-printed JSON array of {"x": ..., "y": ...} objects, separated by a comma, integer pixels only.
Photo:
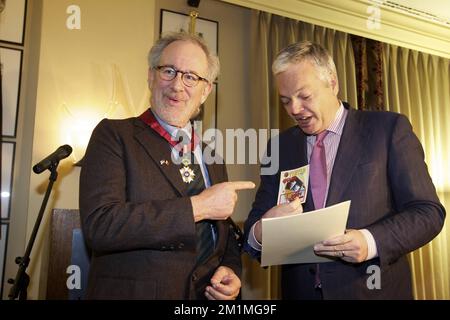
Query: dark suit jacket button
[
  {"x": 194, "y": 277},
  {"x": 312, "y": 270},
  {"x": 172, "y": 247},
  {"x": 181, "y": 246},
  {"x": 163, "y": 248}
]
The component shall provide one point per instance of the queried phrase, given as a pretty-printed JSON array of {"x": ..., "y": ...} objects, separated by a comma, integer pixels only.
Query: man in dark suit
[
  {"x": 155, "y": 215},
  {"x": 371, "y": 158}
]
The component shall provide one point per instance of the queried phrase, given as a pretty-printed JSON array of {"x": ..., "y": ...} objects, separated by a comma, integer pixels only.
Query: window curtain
[
  {"x": 418, "y": 85},
  {"x": 369, "y": 73}
]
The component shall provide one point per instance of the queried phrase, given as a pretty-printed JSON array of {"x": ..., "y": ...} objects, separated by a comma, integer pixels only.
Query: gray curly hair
[
  {"x": 156, "y": 51},
  {"x": 306, "y": 51}
]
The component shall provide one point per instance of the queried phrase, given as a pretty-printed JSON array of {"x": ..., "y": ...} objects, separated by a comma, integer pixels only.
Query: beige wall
[
  {"x": 79, "y": 76},
  {"x": 89, "y": 70}
]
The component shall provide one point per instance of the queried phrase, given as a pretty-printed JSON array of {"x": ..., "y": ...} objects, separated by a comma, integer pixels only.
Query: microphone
[{"x": 60, "y": 153}]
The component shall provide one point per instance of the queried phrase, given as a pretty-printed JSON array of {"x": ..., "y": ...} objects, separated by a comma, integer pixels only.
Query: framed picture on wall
[
  {"x": 7, "y": 162},
  {"x": 207, "y": 29},
  {"x": 208, "y": 116},
  {"x": 208, "y": 113},
  {"x": 3, "y": 243},
  {"x": 12, "y": 20},
  {"x": 11, "y": 65}
]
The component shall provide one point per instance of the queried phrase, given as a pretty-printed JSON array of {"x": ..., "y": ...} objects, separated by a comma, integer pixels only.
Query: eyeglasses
[{"x": 189, "y": 79}]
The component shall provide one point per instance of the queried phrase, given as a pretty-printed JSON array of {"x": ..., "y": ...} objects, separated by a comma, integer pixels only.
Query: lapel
[
  {"x": 297, "y": 156},
  {"x": 297, "y": 152},
  {"x": 350, "y": 150},
  {"x": 159, "y": 149}
]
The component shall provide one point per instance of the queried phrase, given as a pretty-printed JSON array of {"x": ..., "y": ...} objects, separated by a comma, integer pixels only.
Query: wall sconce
[
  {"x": 84, "y": 112},
  {"x": 79, "y": 128},
  {"x": 78, "y": 134}
]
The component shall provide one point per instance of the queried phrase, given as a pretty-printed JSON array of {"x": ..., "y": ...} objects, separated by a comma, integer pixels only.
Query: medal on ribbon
[{"x": 186, "y": 172}]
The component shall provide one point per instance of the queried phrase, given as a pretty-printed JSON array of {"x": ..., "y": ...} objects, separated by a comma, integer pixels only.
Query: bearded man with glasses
[{"x": 156, "y": 217}]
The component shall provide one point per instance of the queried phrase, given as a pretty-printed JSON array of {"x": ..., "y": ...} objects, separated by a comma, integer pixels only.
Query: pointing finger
[{"x": 240, "y": 185}]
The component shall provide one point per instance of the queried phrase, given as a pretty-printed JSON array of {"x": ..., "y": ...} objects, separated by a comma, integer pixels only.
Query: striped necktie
[
  {"x": 318, "y": 171},
  {"x": 204, "y": 228},
  {"x": 318, "y": 180}
]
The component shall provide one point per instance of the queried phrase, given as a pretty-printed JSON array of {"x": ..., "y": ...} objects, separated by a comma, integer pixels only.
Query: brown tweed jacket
[{"x": 138, "y": 220}]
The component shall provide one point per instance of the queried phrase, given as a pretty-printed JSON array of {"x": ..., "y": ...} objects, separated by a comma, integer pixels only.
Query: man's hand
[
  {"x": 218, "y": 201},
  {"x": 285, "y": 209},
  {"x": 350, "y": 247},
  {"x": 225, "y": 285}
]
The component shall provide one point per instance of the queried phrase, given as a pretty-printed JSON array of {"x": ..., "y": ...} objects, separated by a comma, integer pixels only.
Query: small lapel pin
[{"x": 164, "y": 162}]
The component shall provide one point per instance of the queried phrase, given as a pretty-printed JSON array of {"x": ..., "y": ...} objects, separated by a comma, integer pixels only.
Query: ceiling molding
[
  {"x": 436, "y": 11},
  {"x": 395, "y": 26}
]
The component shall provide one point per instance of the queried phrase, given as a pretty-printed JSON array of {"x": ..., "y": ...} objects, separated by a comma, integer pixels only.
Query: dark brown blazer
[
  {"x": 380, "y": 167},
  {"x": 137, "y": 218}
]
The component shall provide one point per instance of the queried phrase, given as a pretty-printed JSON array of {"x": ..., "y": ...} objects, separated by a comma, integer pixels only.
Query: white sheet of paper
[{"x": 291, "y": 239}]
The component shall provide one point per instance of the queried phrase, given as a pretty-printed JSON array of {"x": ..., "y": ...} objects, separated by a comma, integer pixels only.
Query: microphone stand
[{"x": 22, "y": 280}]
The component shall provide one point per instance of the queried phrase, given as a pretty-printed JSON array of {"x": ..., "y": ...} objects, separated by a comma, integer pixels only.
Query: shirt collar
[
  {"x": 172, "y": 130},
  {"x": 337, "y": 125}
]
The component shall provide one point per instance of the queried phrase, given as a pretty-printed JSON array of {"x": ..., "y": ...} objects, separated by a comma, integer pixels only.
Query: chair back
[{"x": 69, "y": 257}]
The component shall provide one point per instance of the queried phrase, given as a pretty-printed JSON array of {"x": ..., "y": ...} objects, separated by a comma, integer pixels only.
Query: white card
[{"x": 293, "y": 184}]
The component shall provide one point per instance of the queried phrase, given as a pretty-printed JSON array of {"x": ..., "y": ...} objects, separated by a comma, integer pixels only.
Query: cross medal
[{"x": 187, "y": 173}]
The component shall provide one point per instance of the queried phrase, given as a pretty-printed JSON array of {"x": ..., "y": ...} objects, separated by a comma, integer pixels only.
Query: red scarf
[{"x": 151, "y": 121}]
